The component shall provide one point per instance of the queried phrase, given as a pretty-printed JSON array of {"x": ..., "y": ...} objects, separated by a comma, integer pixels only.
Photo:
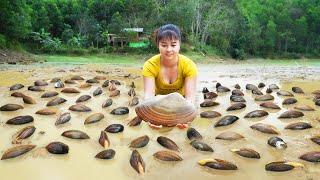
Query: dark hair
[{"x": 168, "y": 31}]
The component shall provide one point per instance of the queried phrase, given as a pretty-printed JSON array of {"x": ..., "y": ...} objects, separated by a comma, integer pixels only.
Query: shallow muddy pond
[{"x": 80, "y": 163}]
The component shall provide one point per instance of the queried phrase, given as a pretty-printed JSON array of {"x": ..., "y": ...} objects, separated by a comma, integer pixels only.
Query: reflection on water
[{"x": 81, "y": 164}]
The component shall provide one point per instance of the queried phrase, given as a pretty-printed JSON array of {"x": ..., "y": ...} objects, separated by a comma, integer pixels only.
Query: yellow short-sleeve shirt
[{"x": 186, "y": 69}]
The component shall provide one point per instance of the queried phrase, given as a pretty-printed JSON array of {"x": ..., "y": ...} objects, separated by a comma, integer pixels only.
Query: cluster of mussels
[
  {"x": 195, "y": 137},
  {"x": 239, "y": 102}
]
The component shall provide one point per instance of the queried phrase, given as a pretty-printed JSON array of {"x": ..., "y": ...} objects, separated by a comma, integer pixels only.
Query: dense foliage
[{"x": 236, "y": 28}]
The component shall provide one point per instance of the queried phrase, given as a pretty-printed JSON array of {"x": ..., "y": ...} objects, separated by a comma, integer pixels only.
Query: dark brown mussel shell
[
  {"x": 277, "y": 142},
  {"x": 120, "y": 111},
  {"x": 281, "y": 166},
  {"x": 57, "y": 148},
  {"x": 251, "y": 87},
  {"x": 297, "y": 90},
  {"x": 266, "y": 97},
  {"x": 93, "y": 118},
  {"x": 167, "y": 143},
  {"x": 234, "y": 98},
  {"x": 106, "y": 154},
  {"x": 226, "y": 120},
  {"x": 139, "y": 142},
  {"x": 210, "y": 114},
  {"x": 313, "y": 156},
  {"x": 75, "y": 134},
  {"x": 298, "y": 126},
  {"x": 35, "y": 88},
  {"x": 97, "y": 92},
  {"x": 246, "y": 152},
  {"x": 83, "y": 98},
  {"x": 25, "y": 133},
  {"x": 316, "y": 139},
  {"x": 104, "y": 140},
  {"x": 208, "y": 103},
  {"x": 40, "y": 83},
  {"x": 167, "y": 156},
  {"x": 166, "y": 110},
  {"x": 270, "y": 105},
  {"x": 230, "y": 136},
  {"x": 16, "y": 87},
  {"x": 256, "y": 114},
  {"x": 47, "y": 111},
  {"x": 20, "y": 120},
  {"x": 11, "y": 107},
  {"x": 17, "y": 94},
  {"x": 115, "y": 128},
  {"x": 135, "y": 121},
  {"x": 49, "y": 94},
  {"x": 77, "y": 78},
  {"x": 56, "y": 101},
  {"x": 289, "y": 101},
  {"x": 193, "y": 134},
  {"x": 17, "y": 151},
  {"x": 63, "y": 118},
  {"x": 107, "y": 103},
  {"x": 210, "y": 95},
  {"x": 137, "y": 162},
  {"x": 291, "y": 114},
  {"x": 201, "y": 146},
  {"x": 79, "y": 108},
  {"x": 236, "y": 106},
  {"x": 265, "y": 128},
  {"x": 70, "y": 90}
]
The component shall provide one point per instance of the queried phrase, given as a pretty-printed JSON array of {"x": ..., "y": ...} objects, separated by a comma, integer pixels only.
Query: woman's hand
[
  {"x": 190, "y": 86},
  {"x": 149, "y": 87}
]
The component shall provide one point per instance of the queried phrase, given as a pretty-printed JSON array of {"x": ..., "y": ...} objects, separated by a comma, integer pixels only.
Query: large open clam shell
[{"x": 166, "y": 110}]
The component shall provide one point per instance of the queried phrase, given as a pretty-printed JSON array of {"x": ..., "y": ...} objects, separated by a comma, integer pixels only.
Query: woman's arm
[
  {"x": 149, "y": 87},
  {"x": 190, "y": 86}
]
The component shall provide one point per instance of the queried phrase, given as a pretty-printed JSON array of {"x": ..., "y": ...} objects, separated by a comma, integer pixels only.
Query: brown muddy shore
[{"x": 80, "y": 163}]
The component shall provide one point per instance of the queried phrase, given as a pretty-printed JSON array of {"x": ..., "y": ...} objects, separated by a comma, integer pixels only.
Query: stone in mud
[
  {"x": 104, "y": 140},
  {"x": 93, "y": 118},
  {"x": 17, "y": 151},
  {"x": 47, "y": 111},
  {"x": 298, "y": 126},
  {"x": 210, "y": 114},
  {"x": 167, "y": 156},
  {"x": 265, "y": 128},
  {"x": 251, "y": 87},
  {"x": 210, "y": 95},
  {"x": 218, "y": 164},
  {"x": 17, "y": 94},
  {"x": 92, "y": 81},
  {"x": 237, "y": 92},
  {"x": 193, "y": 134},
  {"x": 234, "y": 98},
  {"x": 291, "y": 114},
  {"x": 79, "y": 108},
  {"x": 63, "y": 118},
  {"x": 261, "y": 85},
  {"x": 11, "y": 107},
  {"x": 226, "y": 120},
  {"x": 270, "y": 105},
  {"x": 284, "y": 93},
  {"x": 105, "y": 83},
  {"x": 201, "y": 146},
  {"x": 208, "y": 103},
  {"x": 256, "y": 114},
  {"x": 28, "y": 100},
  {"x": 304, "y": 107},
  {"x": 49, "y": 94},
  {"x": 97, "y": 92},
  {"x": 277, "y": 142},
  {"x": 229, "y": 135},
  {"x": 106, "y": 154},
  {"x": 236, "y": 106},
  {"x": 120, "y": 111},
  {"x": 77, "y": 78},
  {"x": 246, "y": 152},
  {"x": 281, "y": 166},
  {"x": 135, "y": 121},
  {"x": 139, "y": 142},
  {"x": 273, "y": 86},
  {"x": 167, "y": 143},
  {"x": 16, "y": 87},
  {"x": 114, "y": 93},
  {"x": 297, "y": 90},
  {"x": 35, "y": 88},
  {"x": 313, "y": 156},
  {"x": 75, "y": 134},
  {"x": 83, "y": 98},
  {"x": 20, "y": 120},
  {"x": 56, "y": 101},
  {"x": 115, "y": 128},
  {"x": 266, "y": 97},
  {"x": 57, "y": 148},
  {"x": 70, "y": 90},
  {"x": 288, "y": 101},
  {"x": 40, "y": 83},
  {"x": 107, "y": 103},
  {"x": 137, "y": 162}
]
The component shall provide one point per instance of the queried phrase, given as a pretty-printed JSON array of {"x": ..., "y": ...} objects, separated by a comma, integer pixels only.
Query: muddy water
[{"x": 81, "y": 164}]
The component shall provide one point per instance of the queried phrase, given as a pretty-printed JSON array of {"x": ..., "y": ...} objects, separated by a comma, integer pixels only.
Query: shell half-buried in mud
[
  {"x": 17, "y": 151},
  {"x": 210, "y": 114},
  {"x": 256, "y": 114},
  {"x": 193, "y": 134},
  {"x": 63, "y": 118},
  {"x": 230, "y": 136},
  {"x": 201, "y": 146},
  {"x": 270, "y": 105},
  {"x": 137, "y": 162},
  {"x": 10, "y": 107},
  {"x": 277, "y": 142},
  {"x": 16, "y": 87},
  {"x": 313, "y": 156},
  {"x": 139, "y": 142},
  {"x": 298, "y": 126},
  {"x": 246, "y": 152},
  {"x": 226, "y": 120},
  {"x": 115, "y": 128},
  {"x": 120, "y": 111},
  {"x": 79, "y": 108},
  {"x": 316, "y": 139},
  {"x": 167, "y": 143},
  {"x": 20, "y": 120},
  {"x": 236, "y": 106},
  {"x": 266, "y": 97},
  {"x": 23, "y": 134},
  {"x": 291, "y": 114},
  {"x": 166, "y": 110},
  {"x": 56, "y": 101},
  {"x": 106, "y": 154},
  {"x": 167, "y": 156},
  {"x": 208, "y": 103},
  {"x": 218, "y": 164},
  {"x": 57, "y": 148},
  {"x": 281, "y": 166},
  {"x": 93, "y": 118},
  {"x": 75, "y": 134},
  {"x": 265, "y": 128}
]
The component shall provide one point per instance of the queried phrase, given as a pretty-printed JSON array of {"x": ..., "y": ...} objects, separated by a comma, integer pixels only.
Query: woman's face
[{"x": 169, "y": 48}]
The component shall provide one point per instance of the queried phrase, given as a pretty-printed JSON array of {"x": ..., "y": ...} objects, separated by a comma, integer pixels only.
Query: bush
[{"x": 3, "y": 41}]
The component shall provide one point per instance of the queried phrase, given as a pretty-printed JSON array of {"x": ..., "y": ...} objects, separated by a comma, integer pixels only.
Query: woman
[{"x": 169, "y": 71}]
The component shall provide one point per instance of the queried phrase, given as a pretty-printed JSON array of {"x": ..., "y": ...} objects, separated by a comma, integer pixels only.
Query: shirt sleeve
[
  {"x": 190, "y": 69},
  {"x": 149, "y": 70}
]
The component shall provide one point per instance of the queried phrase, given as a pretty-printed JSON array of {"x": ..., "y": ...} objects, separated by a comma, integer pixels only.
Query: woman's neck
[{"x": 169, "y": 62}]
